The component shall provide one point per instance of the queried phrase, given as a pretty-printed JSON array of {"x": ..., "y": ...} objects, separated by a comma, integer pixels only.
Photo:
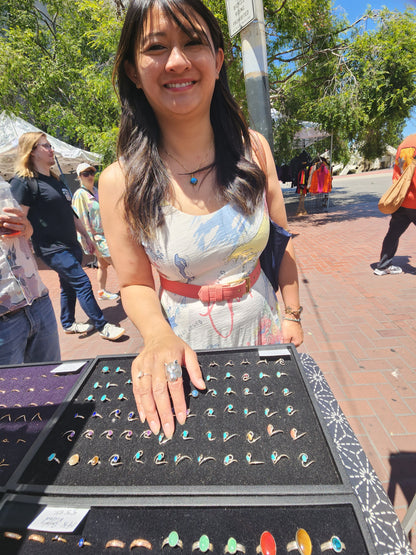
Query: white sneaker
[
  {"x": 389, "y": 270},
  {"x": 78, "y": 327},
  {"x": 111, "y": 332},
  {"x": 107, "y": 296}
]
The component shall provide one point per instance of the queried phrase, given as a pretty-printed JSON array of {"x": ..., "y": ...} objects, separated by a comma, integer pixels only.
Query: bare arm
[
  {"x": 141, "y": 303},
  {"x": 288, "y": 273},
  {"x": 79, "y": 226}
]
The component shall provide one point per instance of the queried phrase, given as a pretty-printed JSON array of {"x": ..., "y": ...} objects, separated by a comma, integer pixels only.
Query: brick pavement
[{"x": 359, "y": 328}]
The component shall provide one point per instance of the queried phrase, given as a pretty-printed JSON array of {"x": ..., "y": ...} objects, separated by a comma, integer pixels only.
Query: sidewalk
[{"x": 359, "y": 328}]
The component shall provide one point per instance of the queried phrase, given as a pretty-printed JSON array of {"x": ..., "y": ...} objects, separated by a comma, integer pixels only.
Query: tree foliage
[
  {"x": 55, "y": 68},
  {"x": 356, "y": 80}
]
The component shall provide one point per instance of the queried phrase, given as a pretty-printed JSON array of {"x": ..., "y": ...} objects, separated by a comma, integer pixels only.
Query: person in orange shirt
[{"x": 405, "y": 215}]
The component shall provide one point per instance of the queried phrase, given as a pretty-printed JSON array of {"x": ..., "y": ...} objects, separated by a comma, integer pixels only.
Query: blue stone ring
[
  {"x": 335, "y": 544},
  {"x": 173, "y": 371}
]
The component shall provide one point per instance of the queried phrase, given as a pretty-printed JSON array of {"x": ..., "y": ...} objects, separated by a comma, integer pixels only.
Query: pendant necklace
[{"x": 193, "y": 180}]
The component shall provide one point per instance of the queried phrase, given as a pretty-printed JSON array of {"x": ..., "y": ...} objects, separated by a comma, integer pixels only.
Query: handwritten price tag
[{"x": 58, "y": 519}]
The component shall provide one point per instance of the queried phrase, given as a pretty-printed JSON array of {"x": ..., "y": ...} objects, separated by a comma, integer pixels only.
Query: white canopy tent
[
  {"x": 12, "y": 127},
  {"x": 309, "y": 134}
]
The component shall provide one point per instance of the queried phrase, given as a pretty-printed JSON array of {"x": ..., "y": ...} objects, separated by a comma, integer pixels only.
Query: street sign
[{"x": 239, "y": 13}]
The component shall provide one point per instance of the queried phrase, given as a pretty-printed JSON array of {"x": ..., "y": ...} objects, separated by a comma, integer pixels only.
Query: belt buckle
[{"x": 248, "y": 284}]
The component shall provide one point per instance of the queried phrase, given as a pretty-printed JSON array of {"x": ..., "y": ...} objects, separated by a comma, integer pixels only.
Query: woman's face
[
  {"x": 87, "y": 177},
  {"x": 175, "y": 70}
]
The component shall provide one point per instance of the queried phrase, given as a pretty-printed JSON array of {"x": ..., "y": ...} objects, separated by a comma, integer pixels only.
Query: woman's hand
[
  {"x": 154, "y": 395},
  {"x": 292, "y": 332},
  {"x": 15, "y": 219}
]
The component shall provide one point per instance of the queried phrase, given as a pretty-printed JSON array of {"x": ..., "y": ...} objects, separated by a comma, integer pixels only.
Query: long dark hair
[{"x": 241, "y": 182}]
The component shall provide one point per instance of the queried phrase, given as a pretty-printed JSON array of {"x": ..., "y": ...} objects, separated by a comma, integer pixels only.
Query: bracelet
[
  {"x": 296, "y": 312},
  {"x": 292, "y": 319}
]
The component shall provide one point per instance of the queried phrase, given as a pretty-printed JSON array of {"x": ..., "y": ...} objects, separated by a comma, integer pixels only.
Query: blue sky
[{"x": 353, "y": 9}]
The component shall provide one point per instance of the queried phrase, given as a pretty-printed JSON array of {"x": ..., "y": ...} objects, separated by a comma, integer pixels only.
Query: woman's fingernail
[
  {"x": 142, "y": 416},
  {"x": 154, "y": 426},
  {"x": 168, "y": 429},
  {"x": 181, "y": 417}
]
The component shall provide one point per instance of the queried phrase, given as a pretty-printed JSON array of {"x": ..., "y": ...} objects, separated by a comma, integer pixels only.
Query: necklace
[{"x": 193, "y": 180}]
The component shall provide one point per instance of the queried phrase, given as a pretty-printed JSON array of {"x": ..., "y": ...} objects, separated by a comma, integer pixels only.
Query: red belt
[{"x": 212, "y": 293}]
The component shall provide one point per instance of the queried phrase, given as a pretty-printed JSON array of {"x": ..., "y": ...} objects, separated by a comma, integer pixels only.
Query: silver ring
[
  {"x": 334, "y": 543},
  {"x": 141, "y": 375},
  {"x": 173, "y": 371}
]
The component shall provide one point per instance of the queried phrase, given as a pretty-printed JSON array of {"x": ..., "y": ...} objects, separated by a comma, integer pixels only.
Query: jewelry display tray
[
  {"x": 29, "y": 396},
  {"x": 244, "y": 518},
  {"x": 279, "y": 494},
  {"x": 194, "y": 461}
]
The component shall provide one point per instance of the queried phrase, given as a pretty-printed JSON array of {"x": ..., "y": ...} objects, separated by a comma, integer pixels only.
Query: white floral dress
[{"x": 221, "y": 247}]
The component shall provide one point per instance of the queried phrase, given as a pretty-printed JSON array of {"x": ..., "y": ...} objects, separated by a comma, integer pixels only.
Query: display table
[{"x": 266, "y": 447}]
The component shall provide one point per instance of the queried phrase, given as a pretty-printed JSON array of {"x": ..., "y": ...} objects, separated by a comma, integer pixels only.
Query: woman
[
  {"x": 47, "y": 203},
  {"x": 85, "y": 204},
  {"x": 187, "y": 196}
]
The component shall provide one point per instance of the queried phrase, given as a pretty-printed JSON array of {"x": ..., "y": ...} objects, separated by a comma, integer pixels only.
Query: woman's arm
[
  {"x": 140, "y": 300},
  {"x": 288, "y": 273},
  {"x": 79, "y": 226}
]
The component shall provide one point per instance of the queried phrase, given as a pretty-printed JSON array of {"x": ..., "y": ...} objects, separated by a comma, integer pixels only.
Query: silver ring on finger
[
  {"x": 173, "y": 371},
  {"x": 141, "y": 375}
]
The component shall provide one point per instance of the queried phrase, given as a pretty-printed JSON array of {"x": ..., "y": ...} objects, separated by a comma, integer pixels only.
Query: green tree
[
  {"x": 55, "y": 68},
  {"x": 356, "y": 79}
]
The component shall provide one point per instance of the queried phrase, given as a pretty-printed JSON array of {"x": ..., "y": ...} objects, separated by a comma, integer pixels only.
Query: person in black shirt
[{"x": 47, "y": 203}]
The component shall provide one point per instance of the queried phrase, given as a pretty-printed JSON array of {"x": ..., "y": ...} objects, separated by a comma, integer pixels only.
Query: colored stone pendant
[
  {"x": 138, "y": 457},
  {"x": 193, "y": 181}
]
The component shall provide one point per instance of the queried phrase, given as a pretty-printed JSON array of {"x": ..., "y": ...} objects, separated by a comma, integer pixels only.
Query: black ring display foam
[
  {"x": 244, "y": 522},
  {"x": 197, "y": 454}
]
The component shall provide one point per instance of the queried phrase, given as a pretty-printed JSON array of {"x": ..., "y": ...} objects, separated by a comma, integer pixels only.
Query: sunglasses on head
[{"x": 87, "y": 173}]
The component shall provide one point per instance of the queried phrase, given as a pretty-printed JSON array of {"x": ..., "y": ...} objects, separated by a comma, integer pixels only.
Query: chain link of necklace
[{"x": 193, "y": 180}]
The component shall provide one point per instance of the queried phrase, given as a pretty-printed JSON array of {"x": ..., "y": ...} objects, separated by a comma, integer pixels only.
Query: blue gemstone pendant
[{"x": 193, "y": 181}]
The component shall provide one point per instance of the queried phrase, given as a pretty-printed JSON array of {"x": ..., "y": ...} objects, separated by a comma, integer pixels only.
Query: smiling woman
[{"x": 187, "y": 196}]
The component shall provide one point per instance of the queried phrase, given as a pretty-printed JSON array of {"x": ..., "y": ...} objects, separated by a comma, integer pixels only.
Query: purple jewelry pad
[{"x": 29, "y": 396}]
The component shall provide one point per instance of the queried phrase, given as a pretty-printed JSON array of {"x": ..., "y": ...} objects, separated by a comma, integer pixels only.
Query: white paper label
[
  {"x": 68, "y": 367},
  {"x": 58, "y": 519}
]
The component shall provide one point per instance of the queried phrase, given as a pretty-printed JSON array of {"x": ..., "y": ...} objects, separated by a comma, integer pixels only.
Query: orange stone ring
[
  {"x": 267, "y": 545},
  {"x": 302, "y": 543}
]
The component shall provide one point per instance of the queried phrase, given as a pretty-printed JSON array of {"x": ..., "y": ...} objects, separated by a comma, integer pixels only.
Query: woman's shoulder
[{"x": 113, "y": 171}]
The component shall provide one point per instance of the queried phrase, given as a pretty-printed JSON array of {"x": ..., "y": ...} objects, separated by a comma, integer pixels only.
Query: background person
[
  {"x": 85, "y": 204},
  {"x": 188, "y": 196},
  {"x": 47, "y": 202},
  {"x": 405, "y": 215},
  {"x": 28, "y": 330}
]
